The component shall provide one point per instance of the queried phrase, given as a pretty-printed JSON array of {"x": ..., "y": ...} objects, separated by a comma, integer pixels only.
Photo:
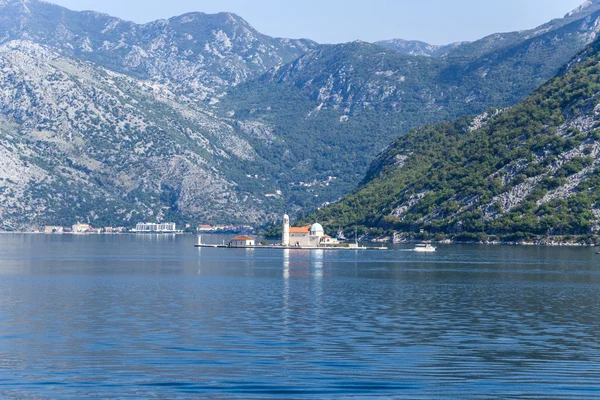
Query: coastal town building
[
  {"x": 206, "y": 228},
  {"x": 167, "y": 227},
  {"x": 81, "y": 228},
  {"x": 242, "y": 241}
]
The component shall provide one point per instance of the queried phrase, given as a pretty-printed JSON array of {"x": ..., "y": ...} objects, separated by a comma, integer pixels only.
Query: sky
[{"x": 336, "y": 21}]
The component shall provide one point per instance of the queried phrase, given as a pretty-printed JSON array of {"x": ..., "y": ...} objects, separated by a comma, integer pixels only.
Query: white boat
[{"x": 424, "y": 248}]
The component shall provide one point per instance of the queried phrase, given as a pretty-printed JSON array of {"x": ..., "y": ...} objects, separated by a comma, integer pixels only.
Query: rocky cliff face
[
  {"x": 196, "y": 53},
  {"x": 81, "y": 142},
  {"x": 111, "y": 122},
  {"x": 418, "y": 48}
]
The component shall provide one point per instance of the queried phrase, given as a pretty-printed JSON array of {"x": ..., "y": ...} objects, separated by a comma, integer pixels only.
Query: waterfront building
[
  {"x": 299, "y": 237},
  {"x": 242, "y": 241},
  {"x": 329, "y": 241},
  {"x": 306, "y": 236},
  {"x": 81, "y": 228},
  {"x": 167, "y": 227}
]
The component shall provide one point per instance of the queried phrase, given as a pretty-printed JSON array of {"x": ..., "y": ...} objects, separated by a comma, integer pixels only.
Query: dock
[{"x": 276, "y": 247}]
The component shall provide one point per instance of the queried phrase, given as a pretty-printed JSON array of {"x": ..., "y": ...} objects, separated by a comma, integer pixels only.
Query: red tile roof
[
  {"x": 304, "y": 229},
  {"x": 241, "y": 238}
]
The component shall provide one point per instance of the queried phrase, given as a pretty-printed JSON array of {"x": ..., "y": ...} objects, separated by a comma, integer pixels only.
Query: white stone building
[
  {"x": 242, "y": 241},
  {"x": 81, "y": 228},
  {"x": 307, "y": 236},
  {"x": 164, "y": 227}
]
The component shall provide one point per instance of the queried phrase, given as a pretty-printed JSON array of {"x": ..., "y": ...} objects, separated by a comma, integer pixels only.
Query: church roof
[
  {"x": 304, "y": 229},
  {"x": 316, "y": 228}
]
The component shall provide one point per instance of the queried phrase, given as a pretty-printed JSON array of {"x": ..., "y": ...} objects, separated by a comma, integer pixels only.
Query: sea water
[{"x": 129, "y": 316}]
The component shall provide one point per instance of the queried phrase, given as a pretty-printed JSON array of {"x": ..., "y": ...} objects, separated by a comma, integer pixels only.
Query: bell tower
[{"x": 286, "y": 231}]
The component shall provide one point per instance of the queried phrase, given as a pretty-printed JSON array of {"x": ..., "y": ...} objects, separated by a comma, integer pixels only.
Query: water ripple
[{"x": 133, "y": 318}]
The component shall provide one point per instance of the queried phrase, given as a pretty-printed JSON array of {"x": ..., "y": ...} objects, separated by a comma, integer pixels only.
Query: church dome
[{"x": 316, "y": 228}]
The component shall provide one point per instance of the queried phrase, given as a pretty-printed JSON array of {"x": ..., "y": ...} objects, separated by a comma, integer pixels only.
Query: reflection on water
[
  {"x": 286, "y": 265},
  {"x": 317, "y": 263},
  {"x": 149, "y": 316}
]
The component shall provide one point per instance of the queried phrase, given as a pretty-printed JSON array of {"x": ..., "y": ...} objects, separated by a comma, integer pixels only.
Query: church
[{"x": 307, "y": 236}]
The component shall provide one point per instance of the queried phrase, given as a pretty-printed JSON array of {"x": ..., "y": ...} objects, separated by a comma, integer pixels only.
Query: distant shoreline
[
  {"x": 534, "y": 243},
  {"x": 96, "y": 233},
  {"x": 373, "y": 241},
  {"x": 500, "y": 243}
]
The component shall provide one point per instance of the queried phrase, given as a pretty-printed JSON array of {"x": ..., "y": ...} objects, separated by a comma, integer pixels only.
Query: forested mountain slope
[
  {"x": 533, "y": 169},
  {"x": 331, "y": 111}
]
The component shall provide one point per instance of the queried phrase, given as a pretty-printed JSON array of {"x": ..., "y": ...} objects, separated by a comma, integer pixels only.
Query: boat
[{"x": 424, "y": 248}]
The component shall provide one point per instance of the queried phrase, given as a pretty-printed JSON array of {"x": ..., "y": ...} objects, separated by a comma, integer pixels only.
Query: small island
[{"x": 300, "y": 238}]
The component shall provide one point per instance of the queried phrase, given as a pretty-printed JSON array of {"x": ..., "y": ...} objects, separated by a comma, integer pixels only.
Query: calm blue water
[{"x": 153, "y": 317}]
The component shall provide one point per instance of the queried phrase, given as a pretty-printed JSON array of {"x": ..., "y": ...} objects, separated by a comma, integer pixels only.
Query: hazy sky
[{"x": 334, "y": 21}]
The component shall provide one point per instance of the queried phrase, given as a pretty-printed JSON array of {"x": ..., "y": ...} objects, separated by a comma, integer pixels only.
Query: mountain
[
  {"x": 336, "y": 107},
  {"x": 418, "y": 48},
  {"x": 80, "y": 142},
  {"x": 110, "y": 122},
  {"x": 492, "y": 42},
  {"x": 320, "y": 108},
  {"x": 198, "y": 54},
  {"x": 529, "y": 170},
  {"x": 200, "y": 118}
]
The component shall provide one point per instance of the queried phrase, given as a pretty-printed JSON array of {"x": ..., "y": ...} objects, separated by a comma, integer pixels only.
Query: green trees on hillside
[
  {"x": 456, "y": 180},
  {"x": 332, "y": 111}
]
